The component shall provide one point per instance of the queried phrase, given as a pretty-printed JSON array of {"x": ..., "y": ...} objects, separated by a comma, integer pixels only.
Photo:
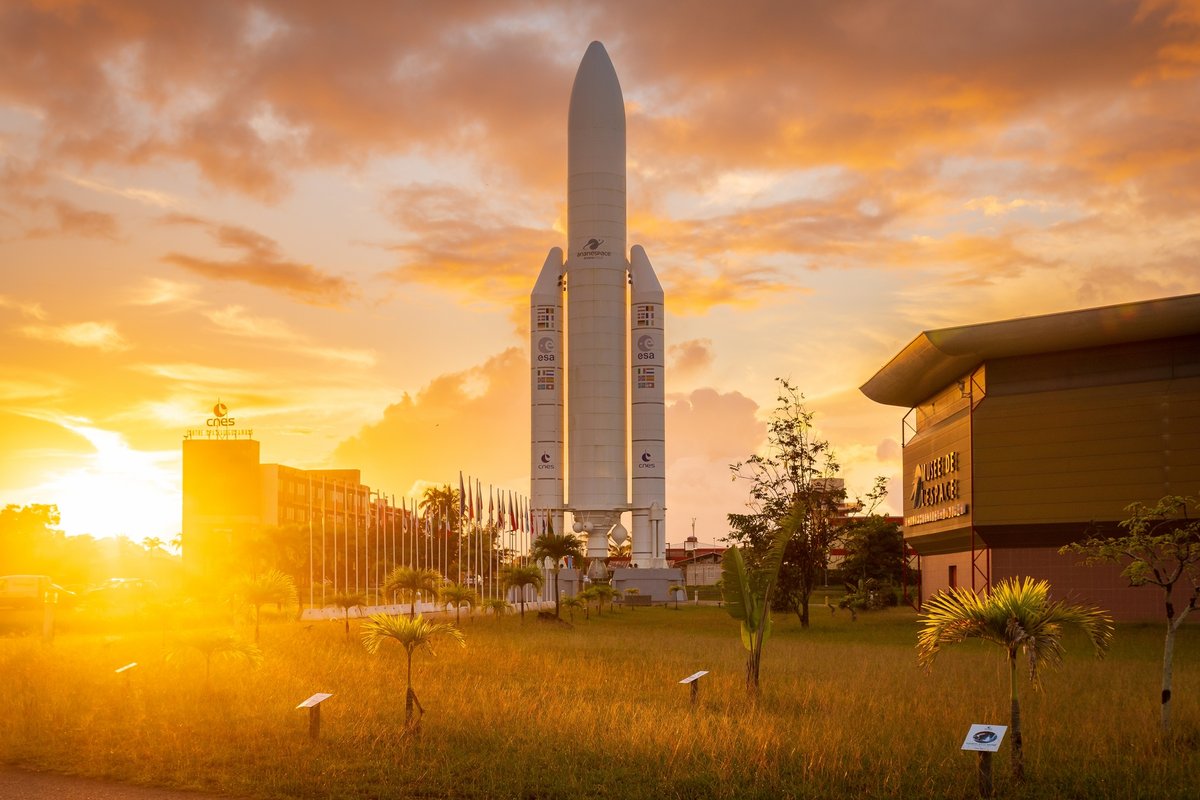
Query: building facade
[{"x": 1028, "y": 434}]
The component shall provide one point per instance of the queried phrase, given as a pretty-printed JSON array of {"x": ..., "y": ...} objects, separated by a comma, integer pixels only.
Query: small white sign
[
  {"x": 319, "y": 697},
  {"x": 695, "y": 677},
  {"x": 984, "y": 738}
]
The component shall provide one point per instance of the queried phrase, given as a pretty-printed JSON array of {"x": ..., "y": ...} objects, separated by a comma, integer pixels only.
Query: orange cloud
[
  {"x": 690, "y": 358},
  {"x": 261, "y": 264},
  {"x": 97, "y": 335}
]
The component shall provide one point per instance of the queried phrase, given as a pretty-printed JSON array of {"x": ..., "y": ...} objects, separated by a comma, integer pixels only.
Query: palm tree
[
  {"x": 347, "y": 601},
  {"x": 556, "y": 547},
  {"x": 210, "y": 645},
  {"x": 409, "y": 581},
  {"x": 518, "y": 577},
  {"x": 456, "y": 594},
  {"x": 674, "y": 590},
  {"x": 1017, "y": 615},
  {"x": 603, "y": 592},
  {"x": 268, "y": 587},
  {"x": 411, "y": 634},
  {"x": 573, "y": 603},
  {"x": 498, "y": 606},
  {"x": 587, "y": 596}
]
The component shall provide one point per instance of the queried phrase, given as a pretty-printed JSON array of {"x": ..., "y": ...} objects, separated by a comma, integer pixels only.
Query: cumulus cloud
[{"x": 690, "y": 358}]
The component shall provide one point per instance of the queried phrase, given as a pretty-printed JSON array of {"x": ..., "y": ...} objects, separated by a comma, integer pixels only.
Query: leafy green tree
[
  {"x": 267, "y": 587},
  {"x": 1019, "y": 616},
  {"x": 455, "y": 595},
  {"x": 792, "y": 489},
  {"x": 517, "y": 576},
  {"x": 874, "y": 550},
  {"x": 1161, "y": 548},
  {"x": 211, "y": 645},
  {"x": 556, "y": 547},
  {"x": 347, "y": 601},
  {"x": 412, "y": 634},
  {"x": 27, "y": 539},
  {"x": 747, "y": 592},
  {"x": 409, "y": 582}
]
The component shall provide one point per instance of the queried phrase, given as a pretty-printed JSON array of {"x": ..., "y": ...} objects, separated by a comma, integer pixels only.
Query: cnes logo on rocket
[{"x": 592, "y": 250}]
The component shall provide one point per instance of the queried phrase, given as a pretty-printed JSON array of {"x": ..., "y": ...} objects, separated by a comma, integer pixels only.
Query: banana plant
[{"x": 747, "y": 595}]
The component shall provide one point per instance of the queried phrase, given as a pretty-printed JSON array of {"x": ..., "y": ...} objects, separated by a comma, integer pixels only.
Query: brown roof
[{"x": 935, "y": 358}]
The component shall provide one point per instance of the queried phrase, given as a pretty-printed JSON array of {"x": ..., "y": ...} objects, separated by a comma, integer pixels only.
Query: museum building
[{"x": 1028, "y": 434}]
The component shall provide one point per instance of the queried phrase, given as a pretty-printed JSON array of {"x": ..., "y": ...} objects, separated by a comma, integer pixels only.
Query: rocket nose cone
[{"x": 596, "y": 99}]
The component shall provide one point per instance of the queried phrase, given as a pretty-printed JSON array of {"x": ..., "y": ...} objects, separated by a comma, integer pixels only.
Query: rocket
[{"x": 611, "y": 425}]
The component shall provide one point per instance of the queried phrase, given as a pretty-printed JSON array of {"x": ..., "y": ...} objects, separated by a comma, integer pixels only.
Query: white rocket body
[{"x": 601, "y": 359}]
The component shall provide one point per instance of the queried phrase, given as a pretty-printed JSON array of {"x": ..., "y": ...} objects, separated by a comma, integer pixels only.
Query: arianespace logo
[{"x": 592, "y": 250}]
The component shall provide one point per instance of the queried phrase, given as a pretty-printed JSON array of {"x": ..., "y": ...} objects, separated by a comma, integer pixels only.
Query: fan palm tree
[
  {"x": 603, "y": 592},
  {"x": 518, "y": 577},
  {"x": 408, "y": 581},
  {"x": 498, "y": 606},
  {"x": 586, "y": 597},
  {"x": 674, "y": 590},
  {"x": 411, "y": 634},
  {"x": 268, "y": 587},
  {"x": 217, "y": 645},
  {"x": 556, "y": 547},
  {"x": 347, "y": 601},
  {"x": 574, "y": 603},
  {"x": 1018, "y": 615},
  {"x": 455, "y": 595}
]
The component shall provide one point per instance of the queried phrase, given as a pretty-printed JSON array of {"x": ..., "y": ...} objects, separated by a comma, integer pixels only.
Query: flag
[
  {"x": 479, "y": 497},
  {"x": 462, "y": 497},
  {"x": 491, "y": 507},
  {"x": 470, "y": 501}
]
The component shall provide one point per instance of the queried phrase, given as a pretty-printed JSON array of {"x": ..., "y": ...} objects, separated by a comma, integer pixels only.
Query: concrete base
[{"x": 652, "y": 583}]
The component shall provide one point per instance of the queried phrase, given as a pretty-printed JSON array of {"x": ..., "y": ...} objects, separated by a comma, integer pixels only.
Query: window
[{"x": 952, "y": 576}]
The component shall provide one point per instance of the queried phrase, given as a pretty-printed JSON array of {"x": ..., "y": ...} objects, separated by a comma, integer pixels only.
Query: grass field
[{"x": 536, "y": 710}]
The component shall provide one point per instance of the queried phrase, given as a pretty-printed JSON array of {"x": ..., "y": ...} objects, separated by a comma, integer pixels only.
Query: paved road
[{"x": 18, "y": 784}]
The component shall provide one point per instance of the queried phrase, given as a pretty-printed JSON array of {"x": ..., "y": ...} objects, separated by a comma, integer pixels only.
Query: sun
[{"x": 117, "y": 490}]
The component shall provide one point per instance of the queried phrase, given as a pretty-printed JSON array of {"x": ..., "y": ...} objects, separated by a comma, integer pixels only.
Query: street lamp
[{"x": 689, "y": 552}]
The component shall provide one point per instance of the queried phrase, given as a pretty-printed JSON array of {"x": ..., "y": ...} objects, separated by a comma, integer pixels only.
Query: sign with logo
[
  {"x": 935, "y": 491},
  {"x": 546, "y": 350},
  {"x": 593, "y": 248},
  {"x": 219, "y": 426},
  {"x": 984, "y": 738}
]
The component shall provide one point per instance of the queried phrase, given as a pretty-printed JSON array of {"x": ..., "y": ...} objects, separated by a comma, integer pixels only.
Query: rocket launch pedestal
[{"x": 613, "y": 368}]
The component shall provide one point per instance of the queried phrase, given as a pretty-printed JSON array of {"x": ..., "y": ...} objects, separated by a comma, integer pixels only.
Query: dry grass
[{"x": 541, "y": 711}]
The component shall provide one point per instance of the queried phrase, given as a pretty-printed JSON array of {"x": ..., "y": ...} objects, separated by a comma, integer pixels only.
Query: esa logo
[
  {"x": 645, "y": 346},
  {"x": 545, "y": 350}
]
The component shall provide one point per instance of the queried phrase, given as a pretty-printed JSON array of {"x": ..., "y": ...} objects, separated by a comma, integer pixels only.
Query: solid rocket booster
[
  {"x": 546, "y": 392},
  {"x": 601, "y": 355}
]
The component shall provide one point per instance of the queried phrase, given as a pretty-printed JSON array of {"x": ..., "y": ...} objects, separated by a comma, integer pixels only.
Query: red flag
[{"x": 512, "y": 516}]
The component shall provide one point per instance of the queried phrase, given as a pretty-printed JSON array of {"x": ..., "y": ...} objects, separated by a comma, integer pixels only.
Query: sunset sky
[{"x": 330, "y": 215}]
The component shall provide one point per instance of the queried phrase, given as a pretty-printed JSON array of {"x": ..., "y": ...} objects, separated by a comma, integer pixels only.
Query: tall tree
[
  {"x": 1161, "y": 548},
  {"x": 556, "y": 547},
  {"x": 793, "y": 489},
  {"x": 874, "y": 550},
  {"x": 412, "y": 634},
  {"x": 410, "y": 582},
  {"x": 1019, "y": 616},
  {"x": 516, "y": 576}
]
